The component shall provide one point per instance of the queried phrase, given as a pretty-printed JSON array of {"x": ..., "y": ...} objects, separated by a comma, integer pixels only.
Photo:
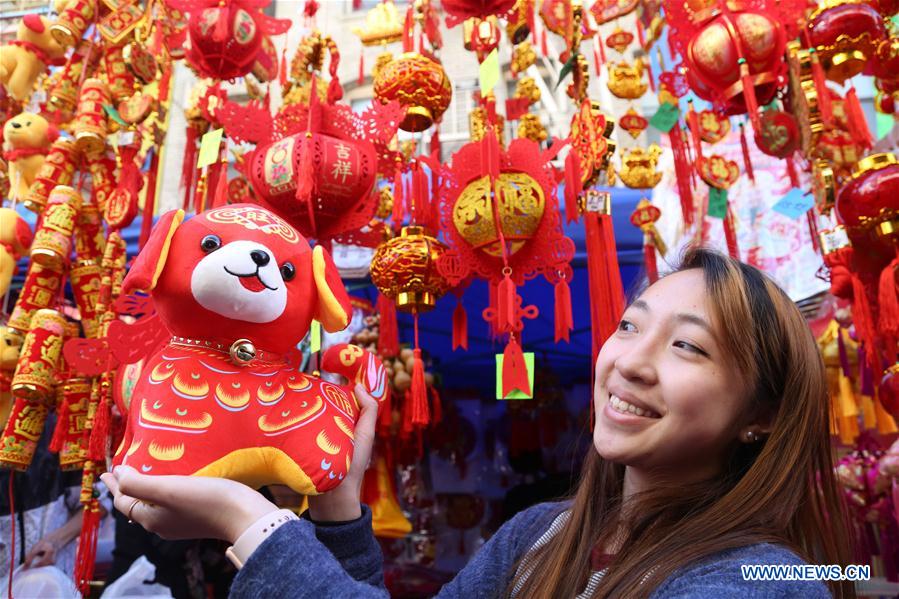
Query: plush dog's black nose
[
  {"x": 259, "y": 257},
  {"x": 16, "y": 125}
]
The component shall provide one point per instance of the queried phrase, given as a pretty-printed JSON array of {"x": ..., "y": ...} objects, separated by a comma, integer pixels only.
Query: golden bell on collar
[{"x": 242, "y": 352}]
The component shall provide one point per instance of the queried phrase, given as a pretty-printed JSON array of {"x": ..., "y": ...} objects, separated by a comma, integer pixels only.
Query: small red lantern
[
  {"x": 845, "y": 34},
  {"x": 344, "y": 176},
  {"x": 418, "y": 83},
  {"x": 869, "y": 203},
  {"x": 225, "y": 37},
  {"x": 734, "y": 55}
]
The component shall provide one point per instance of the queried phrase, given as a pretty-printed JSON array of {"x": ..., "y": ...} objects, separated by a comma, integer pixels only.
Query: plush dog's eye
[
  {"x": 288, "y": 271},
  {"x": 210, "y": 243}
]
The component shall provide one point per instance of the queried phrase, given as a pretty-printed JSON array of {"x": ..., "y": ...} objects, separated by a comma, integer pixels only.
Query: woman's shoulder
[
  {"x": 527, "y": 526},
  {"x": 745, "y": 572}
]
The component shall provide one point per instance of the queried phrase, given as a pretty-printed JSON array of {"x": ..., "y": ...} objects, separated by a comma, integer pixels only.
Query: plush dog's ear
[
  {"x": 333, "y": 308},
  {"x": 150, "y": 261}
]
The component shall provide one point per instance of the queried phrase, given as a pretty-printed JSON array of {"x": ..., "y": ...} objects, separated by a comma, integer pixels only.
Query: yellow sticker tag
[{"x": 315, "y": 336}]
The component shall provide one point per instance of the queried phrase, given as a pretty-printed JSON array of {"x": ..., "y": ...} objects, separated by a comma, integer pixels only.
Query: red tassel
[
  {"x": 460, "y": 327},
  {"x": 572, "y": 186},
  {"x": 361, "y": 80},
  {"x": 62, "y": 427},
  {"x": 99, "y": 432},
  {"x": 398, "y": 198},
  {"x": 640, "y": 36},
  {"x": 649, "y": 259},
  {"x": 220, "y": 198},
  {"x": 543, "y": 44},
  {"x": 824, "y": 101},
  {"x": 388, "y": 331},
  {"x": 888, "y": 301},
  {"x": 435, "y": 144},
  {"x": 85, "y": 557},
  {"x": 747, "y": 163},
  {"x": 189, "y": 164},
  {"x": 505, "y": 308},
  {"x": 682, "y": 173},
  {"x": 730, "y": 235},
  {"x": 564, "y": 320},
  {"x": 606, "y": 289},
  {"x": 693, "y": 123},
  {"x": 409, "y": 32},
  {"x": 597, "y": 55},
  {"x": 649, "y": 75},
  {"x": 515, "y": 371},
  {"x": 752, "y": 104},
  {"x": 858, "y": 125},
  {"x": 282, "y": 70},
  {"x": 305, "y": 174},
  {"x": 420, "y": 412},
  {"x": 146, "y": 225},
  {"x": 791, "y": 172},
  {"x": 436, "y": 407}
]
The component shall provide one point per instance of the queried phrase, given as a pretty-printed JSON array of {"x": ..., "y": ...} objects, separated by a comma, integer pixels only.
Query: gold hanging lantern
[{"x": 404, "y": 269}]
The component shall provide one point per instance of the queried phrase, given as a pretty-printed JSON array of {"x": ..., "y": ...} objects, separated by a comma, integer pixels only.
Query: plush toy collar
[
  {"x": 241, "y": 353},
  {"x": 19, "y": 153},
  {"x": 38, "y": 52}
]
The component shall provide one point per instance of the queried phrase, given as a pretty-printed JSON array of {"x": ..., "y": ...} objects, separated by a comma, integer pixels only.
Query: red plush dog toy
[{"x": 238, "y": 287}]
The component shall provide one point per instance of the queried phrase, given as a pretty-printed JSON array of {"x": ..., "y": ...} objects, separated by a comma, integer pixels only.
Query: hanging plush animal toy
[{"x": 237, "y": 287}]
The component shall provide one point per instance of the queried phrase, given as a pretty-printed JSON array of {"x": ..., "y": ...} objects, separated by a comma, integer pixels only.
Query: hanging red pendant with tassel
[
  {"x": 515, "y": 370},
  {"x": 460, "y": 327},
  {"x": 606, "y": 288},
  {"x": 564, "y": 320}
]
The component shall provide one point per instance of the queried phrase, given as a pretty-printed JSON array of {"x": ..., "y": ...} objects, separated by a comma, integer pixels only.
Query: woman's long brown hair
[{"x": 781, "y": 490}]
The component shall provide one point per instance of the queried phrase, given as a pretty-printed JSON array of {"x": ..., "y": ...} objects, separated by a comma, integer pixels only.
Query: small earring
[{"x": 751, "y": 437}]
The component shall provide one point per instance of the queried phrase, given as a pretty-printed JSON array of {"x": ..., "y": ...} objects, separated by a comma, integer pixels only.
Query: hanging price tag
[
  {"x": 717, "y": 202},
  {"x": 488, "y": 74},
  {"x": 795, "y": 203},
  {"x": 665, "y": 118},
  {"x": 209, "y": 148},
  {"x": 515, "y": 393},
  {"x": 315, "y": 336}
]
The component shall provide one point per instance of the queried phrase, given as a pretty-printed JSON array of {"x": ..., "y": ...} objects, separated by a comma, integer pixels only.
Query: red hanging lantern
[
  {"x": 733, "y": 54},
  {"x": 845, "y": 33},
  {"x": 225, "y": 37},
  {"x": 404, "y": 269},
  {"x": 418, "y": 83}
]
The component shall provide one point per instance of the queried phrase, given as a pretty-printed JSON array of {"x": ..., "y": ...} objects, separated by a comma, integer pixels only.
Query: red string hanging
[
  {"x": 752, "y": 104},
  {"x": 649, "y": 258},
  {"x": 747, "y": 162},
  {"x": 12, "y": 534},
  {"x": 606, "y": 289},
  {"x": 824, "y": 100},
  {"x": 858, "y": 125},
  {"x": 398, "y": 198},
  {"x": 62, "y": 427},
  {"x": 189, "y": 164},
  {"x": 564, "y": 321},
  {"x": 792, "y": 172},
  {"x": 693, "y": 123},
  {"x": 460, "y": 327},
  {"x": 85, "y": 557},
  {"x": 388, "y": 331},
  {"x": 682, "y": 173},
  {"x": 730, "y": 235},
  {"x": 282, "y": 68},
  {"x": 888, "y": 302},
  {"x": 598, "y": 55},
  {"x": 361, "y": 79},
  {"x": 813, "y": 229},
  {"x": 419, "y": 391},
  {"x": 99, "y": 434},
  {"x": 573, "y": 185},
  {"x": 543, "y": 43},
  {"x": 436, "y": 407}
]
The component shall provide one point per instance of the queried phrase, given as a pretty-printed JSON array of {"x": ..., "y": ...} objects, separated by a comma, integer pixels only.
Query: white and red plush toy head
[
  {"x": 239, "y": 272},
  {"x": 237, "y": 287}
]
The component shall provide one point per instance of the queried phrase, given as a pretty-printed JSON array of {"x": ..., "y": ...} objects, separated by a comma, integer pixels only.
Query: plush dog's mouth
[{"x": 251, "y": 281}]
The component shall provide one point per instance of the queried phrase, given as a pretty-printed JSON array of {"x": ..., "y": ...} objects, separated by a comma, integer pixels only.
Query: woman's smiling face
[{"x": 667, "y": 399}]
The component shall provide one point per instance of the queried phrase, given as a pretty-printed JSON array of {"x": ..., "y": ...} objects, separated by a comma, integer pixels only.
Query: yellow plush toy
[
  {"x": 24, "y": 59},
  {"x": 15, "y": 239},
  {"x": 26, "y": 141},
  {"x": 10, "y": 346}
]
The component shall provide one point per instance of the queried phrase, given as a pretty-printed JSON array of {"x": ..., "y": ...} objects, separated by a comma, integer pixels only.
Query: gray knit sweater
[{"x": 304, "y": 560}]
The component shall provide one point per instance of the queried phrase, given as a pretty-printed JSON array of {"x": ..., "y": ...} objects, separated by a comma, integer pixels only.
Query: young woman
[{"x": 712, "y": 452}]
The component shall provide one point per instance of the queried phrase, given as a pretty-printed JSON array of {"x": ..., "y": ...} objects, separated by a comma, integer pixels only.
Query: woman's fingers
[{"x": 365, "y": 429}]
